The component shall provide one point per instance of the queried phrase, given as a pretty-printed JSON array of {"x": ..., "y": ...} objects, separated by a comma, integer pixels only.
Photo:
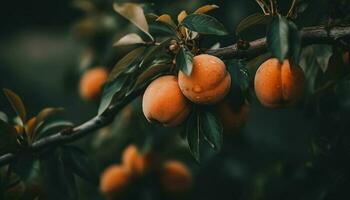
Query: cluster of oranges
[
  {"x": 168, "y": 99},
  {"x": 174, "y": 177}
]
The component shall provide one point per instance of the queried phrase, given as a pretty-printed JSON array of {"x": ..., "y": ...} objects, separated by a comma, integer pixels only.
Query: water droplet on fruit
[{"x": 197, "y": 89}]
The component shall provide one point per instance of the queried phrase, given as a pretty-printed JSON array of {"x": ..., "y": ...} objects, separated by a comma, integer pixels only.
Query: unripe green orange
[
  {"x": 278, "y": 84},
  {"x": 163, "y": 102},
  {"x": 209, "y": 81}
]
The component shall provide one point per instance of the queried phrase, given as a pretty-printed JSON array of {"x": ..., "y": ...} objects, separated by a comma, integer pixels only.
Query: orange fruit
[
  {"x": 175, "y": 177},
  {"x": 278, "y": 84},
  {"x": 163, "y": 102},
  {"x": 91, "y": 83},
  {"x": 133, "y": 160},
  {"x": 114, "y": 180},
  {"x": 232, "y": 118},
  {"x": 209, "y": 81}
]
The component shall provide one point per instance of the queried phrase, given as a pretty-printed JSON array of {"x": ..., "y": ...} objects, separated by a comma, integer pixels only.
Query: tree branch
[{"x": 310, "y": 35}]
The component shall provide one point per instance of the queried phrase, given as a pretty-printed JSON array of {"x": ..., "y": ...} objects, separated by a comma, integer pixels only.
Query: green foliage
[
  {"x": 8, "y": 142},
  {"x": 251, "y": 21},
  {"x": 184, "y": 60},
  {"x": 278, "y": 37},
  {"x": 212, "y": 130},
  {"x": 204, "y": 24},
  {"x": 283, "y": 39}
]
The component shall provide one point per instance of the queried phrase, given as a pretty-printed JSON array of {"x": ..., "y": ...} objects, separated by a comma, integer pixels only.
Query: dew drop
[{"x": 197, "y": 89}]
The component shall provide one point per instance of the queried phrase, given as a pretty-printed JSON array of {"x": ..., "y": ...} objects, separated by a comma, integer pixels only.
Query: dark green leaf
[
  {"x": 44, "y": 116},
  {"x": 148, "y": 75},
  {"x": 239, "y": 74},
  {"x": 111, "y": 89},
  {"x": 58, "y": 181},
  {"x": 278, "y": 37},
  {"x": 153, "y": 52},
  {"x": 294, "y": 44},
  {"x": 313, "y": 60},
  {"x": 24, "y": 165},
  {"x": 17, "y": 104},
  {"x": 212, "y": 130},
  {"x": 252, "y": 20},
  {"x": 79, "y": 163},
  {"x": 193, "y": 135},
  {"x": 184, "y": 60},
  {"x": 161, "y": 29},
  {"x": 8, "y": 140},
  {"x": 127, "y": 61},
  {"x": 52, "y": 128},
  {"x": 204, "y": 24}
]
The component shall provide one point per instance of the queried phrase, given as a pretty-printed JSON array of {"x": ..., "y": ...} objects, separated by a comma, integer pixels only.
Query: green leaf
[
  {"x": 134, "y": 13},
  {"x": 153, "y": 52},
  {"x": 58, "y": 181},
  {"x": 110, "y": 90},
  {"x": 205, "y": 9},
  {"x": 129, "y": 39},
  {"x": 278, "y": 37},
  {"x": 52, "y": 128},
  {"x": 204, "y": 24},
  {"x": 150, "y": 73},
  {"x": 212, "y": 130},
  {"x": 193, "y": 132},
  {"x": 239, "y": 74},
  {"x": 184, "y": 60},
  {"x": 24, "y": 165},
  {"x": 160, "y": 29},
  {"x": 8, "y": 139},
  {"x": 127, "y": 61},
  {"x": 294, "y": 44},
  {"x": 17, "y": 104},
  {"x": 79, "y": 163},
  {"x": 44, "y": 116},
  {"x": 252, "y": 20}
]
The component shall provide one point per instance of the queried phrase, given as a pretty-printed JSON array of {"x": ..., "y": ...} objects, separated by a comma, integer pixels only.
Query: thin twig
[
  {"x": 292, "y": 9},
  {"x": 309, "y": 35},
  {"x": 264, "y": 7}
]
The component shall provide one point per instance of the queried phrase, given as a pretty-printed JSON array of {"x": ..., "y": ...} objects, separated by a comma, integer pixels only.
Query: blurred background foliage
[{"x": 46, "y": 45}]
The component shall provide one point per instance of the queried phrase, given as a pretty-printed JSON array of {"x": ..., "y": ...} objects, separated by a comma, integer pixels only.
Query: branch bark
[{"x": 310, "y": 35}]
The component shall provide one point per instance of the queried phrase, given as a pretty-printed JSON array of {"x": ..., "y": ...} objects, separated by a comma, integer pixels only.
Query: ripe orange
[
  {"x": 175, "y": 177},
  {"x": 114, "y": 180},
  {"x": 209, "y": 81},
  {"x": 232, "y": 118},
  {"x": 278, "y": 84},
  {"x": 91, "y": 83},
  {"x": 163, "y": 102},
  {"x": 133, "y": 161}
]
